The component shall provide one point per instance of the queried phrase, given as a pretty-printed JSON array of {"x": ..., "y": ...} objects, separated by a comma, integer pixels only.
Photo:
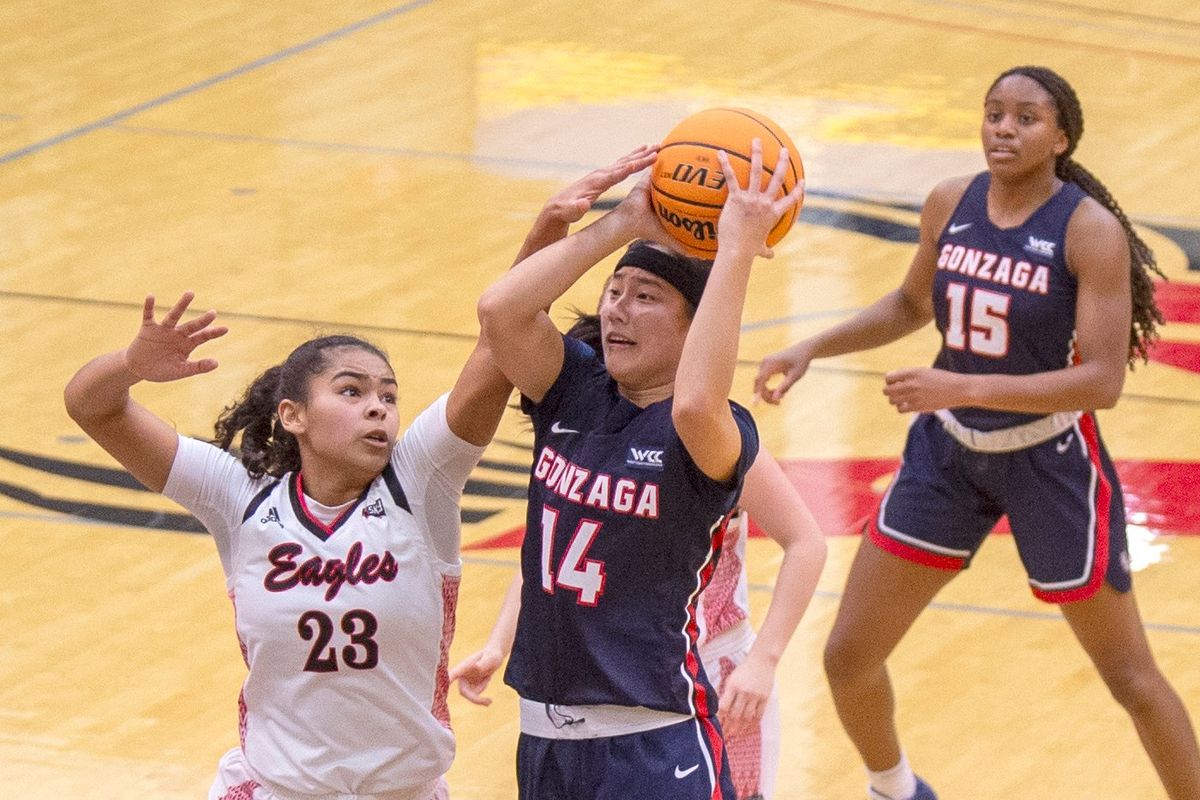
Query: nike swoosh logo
[
  {"x": 558, "y": 428},
  {"x": 683, "y": 773},
  {"x": 953, "y": 229},
  {"x": 1062, "y": 446}
]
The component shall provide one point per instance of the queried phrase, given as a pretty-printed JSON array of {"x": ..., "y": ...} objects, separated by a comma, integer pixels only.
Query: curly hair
[{"x": 266, "y": 448}]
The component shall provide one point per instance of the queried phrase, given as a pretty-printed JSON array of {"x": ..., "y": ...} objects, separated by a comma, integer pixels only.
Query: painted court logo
[
  {"x": 644, "y": 458},
  {"x": 1040, "y": 247}
]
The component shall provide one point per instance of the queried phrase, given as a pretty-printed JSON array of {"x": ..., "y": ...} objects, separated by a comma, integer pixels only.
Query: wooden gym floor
[{"x": 312, "y": 166}]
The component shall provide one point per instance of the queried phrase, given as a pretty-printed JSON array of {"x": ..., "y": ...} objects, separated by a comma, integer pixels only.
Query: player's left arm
[
  {"x": 773, "y": 502},
  {"x": 704, "y": 377},
  {"x": 476, "y": 403},
  {"x": 1098, "y": 254}
]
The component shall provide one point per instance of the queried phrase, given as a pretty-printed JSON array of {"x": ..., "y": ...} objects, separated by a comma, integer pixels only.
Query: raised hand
[
  {"x": 750, "y": 212},
  {"x": 791, "y": 363},
  {"x": 637, "y": 213},
  {"x": 161, "y": 351},
  {"x": 573, "y": 202}
]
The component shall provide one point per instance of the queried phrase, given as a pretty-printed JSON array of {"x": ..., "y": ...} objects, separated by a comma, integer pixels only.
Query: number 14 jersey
[{"x": 622, "y": 534}]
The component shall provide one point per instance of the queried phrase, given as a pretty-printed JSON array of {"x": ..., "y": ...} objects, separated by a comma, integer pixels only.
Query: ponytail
[{"x": 1147, "y": 316}]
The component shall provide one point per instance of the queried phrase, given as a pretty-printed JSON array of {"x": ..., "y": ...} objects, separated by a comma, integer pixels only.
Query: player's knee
[
  {"x": 1136, "y": 687},
  {"x": 846, "y": 659}
]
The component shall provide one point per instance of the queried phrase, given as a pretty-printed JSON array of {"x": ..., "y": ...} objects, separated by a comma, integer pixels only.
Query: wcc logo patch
[
  {"x": 374, "y": 509},
  {"x": 645, "y": 458},
  {"x": 1040, "y": 247}
]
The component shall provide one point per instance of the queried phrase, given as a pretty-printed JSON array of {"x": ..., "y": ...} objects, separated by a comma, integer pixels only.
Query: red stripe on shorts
[
  {"x": 1100, "y": 533},
  {"x": 907, "y": 551}
]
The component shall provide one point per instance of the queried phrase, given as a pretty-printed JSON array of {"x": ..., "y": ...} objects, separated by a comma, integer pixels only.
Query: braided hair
[
  {"x": 1146, "y": 314},
  {"x": 266, "y": 448}
]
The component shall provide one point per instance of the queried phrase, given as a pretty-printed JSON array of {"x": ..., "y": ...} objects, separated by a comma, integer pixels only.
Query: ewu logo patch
[{"x": 645, "y": 458}]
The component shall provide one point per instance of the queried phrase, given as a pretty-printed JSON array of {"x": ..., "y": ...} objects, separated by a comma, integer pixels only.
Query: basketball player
[
  {"x": 740, "y": 665},
  {"x": 1040, "y": 288},
  {"x": 638, "y": 463},
  {"x": 340, "y": 544}
]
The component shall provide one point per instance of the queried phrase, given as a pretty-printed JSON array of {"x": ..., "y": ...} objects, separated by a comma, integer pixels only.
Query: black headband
[{"x": 688, "y": 275}]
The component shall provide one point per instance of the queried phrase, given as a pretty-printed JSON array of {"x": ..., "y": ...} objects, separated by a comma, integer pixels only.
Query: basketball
[{"x": 687, "y": 186}]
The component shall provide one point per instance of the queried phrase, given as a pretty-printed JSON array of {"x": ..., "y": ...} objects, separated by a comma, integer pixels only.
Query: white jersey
[
  {"x": 724, "y": 609},
  {"x": 345, "y": 622}
]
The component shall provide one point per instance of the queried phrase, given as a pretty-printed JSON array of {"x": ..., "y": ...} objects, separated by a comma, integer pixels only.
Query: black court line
[
  {"x": 307, "y": 322},
  {"x": 465, "y": 337},
  {"x": 228, "y": 75},
  {"x": 174, "y": 521}
]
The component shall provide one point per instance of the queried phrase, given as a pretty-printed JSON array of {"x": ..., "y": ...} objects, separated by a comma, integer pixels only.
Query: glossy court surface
[{"x": 369, "y": 167}]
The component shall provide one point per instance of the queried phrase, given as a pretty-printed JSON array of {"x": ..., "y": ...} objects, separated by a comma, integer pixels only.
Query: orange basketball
[{"x": 687, "y": 186}]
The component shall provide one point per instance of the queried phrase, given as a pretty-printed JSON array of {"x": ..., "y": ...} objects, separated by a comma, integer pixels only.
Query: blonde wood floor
[{"x": 369, "y": 166}]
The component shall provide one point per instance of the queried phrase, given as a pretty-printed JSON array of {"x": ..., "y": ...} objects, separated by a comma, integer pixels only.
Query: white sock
[{"x": 897, "y": 783}]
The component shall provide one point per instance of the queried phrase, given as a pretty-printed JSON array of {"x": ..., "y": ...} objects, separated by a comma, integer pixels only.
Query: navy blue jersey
[
  {"x": 623, "y": 531},
  {"x": 1003, "y": 298}
]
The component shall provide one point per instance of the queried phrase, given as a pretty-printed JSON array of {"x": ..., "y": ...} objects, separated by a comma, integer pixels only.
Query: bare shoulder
[
  {"x": 943, "y": 199},
  {"x": 1095, "y": 235},
  {"x": 1091, "y": 218}
]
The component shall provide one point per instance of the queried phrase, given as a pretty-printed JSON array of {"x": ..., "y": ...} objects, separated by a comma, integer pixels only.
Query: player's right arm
[
  {"x": 97, "y": 397},
  {"x": 513, "y": 316},
  {"x": 773, "y": 503},
  {"x": 898, "y": 313},
  {"x": 477, "y": 400},
  {"x": 475, "y": 671}
]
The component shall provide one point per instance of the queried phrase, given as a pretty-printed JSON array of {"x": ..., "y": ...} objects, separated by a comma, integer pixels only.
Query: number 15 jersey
[{"x": 1004, "y": 298}]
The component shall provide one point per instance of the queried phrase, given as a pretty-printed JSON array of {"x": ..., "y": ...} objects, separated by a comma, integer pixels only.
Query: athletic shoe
[{"x": 924, "y": 792}]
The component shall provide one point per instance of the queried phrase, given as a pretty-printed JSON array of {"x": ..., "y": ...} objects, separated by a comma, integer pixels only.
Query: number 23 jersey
[{"x": 345, "y": 623}]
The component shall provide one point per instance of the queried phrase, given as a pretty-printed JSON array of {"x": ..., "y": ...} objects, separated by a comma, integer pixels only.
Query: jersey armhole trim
[
  {"x": 258, "y": 500},
  {"x": 392, "y": 480}
]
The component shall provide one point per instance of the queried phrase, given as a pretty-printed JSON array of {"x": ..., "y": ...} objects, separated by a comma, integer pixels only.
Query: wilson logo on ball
[{"x": 701, "y": 230}]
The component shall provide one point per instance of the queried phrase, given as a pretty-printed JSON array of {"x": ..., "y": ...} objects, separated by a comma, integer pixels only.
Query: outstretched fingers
[
  {"x": 756, "y": 166},
  {"x": 777, "y": 177},
  {"x": 198, "y": 324},
  {"x": 176, "y": 313},
  {"x": 628, "y": 164},
  {"x": 793, "y": 198}
]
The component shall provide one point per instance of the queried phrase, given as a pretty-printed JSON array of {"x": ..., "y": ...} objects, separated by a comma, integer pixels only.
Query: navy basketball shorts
[
  {"x": 681, "y": 761},
  {"x": 1062, "y": 498}
]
